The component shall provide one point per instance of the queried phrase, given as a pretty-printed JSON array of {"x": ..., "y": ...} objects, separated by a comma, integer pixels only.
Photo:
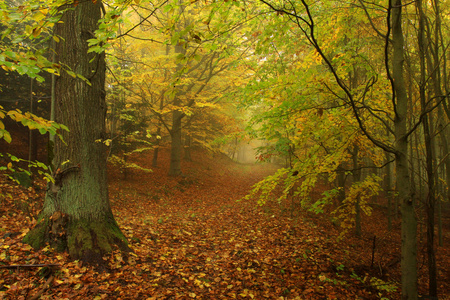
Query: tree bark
[
  {"x": 340, "y": 184},
  {"x": 156, "y": 147},
  {"x": 430, "y": 155},
  {"x": 409, "y": 222},
  {"x": 388, "y": 190},
  {"x": 177, "y": 145},
  {"x": 187, "y": 148},
  {"x": 77, "y": 216},
  {"x": 357, "y": 178},
  {"x": 176, "y": 149}
]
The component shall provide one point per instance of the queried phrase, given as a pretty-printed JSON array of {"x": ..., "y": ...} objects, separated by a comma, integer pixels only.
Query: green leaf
[
  {"x": 5, "y": 135},
  {"x": 84, "y": 79},
  {"x": 73, "y": 74}
]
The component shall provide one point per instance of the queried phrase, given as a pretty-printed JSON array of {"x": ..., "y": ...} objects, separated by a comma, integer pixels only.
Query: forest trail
[{"x": 193, "y": 239}]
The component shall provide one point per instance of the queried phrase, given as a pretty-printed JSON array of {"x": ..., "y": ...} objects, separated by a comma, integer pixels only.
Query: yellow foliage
[{"x": 359, "y": 195}]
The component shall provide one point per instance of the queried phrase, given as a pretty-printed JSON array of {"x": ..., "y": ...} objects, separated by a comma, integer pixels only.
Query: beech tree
[
  {"x": 76, "y": 215},
  {"x": 397, "y": 115},
  {"x": 179, "y": 66}
]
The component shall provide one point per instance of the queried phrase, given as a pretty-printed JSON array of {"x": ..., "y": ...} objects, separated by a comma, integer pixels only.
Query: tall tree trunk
[
  {"x": 156, "y": 147},
  {"x": 177, "y": 117},
  {"x": 340, "y": 183},
  {"x": 357, "y": 178},
  {"x": 187, "y": 148},
  {"x": 409, "y": 222},
  {"x": 441, "y": 87},
  {"x": 388, "y": 189},
  {"x": 177, "y": 145},
  {"x": 76, "y": 215}
]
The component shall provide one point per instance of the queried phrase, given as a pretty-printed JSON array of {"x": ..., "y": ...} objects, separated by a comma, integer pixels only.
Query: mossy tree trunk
[{"x": 77, "y": 216}]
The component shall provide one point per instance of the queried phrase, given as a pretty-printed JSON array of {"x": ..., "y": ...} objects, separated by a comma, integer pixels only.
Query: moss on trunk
[
  {"x": 90, "y": 240},
  {"x": 87, "y": 240}
]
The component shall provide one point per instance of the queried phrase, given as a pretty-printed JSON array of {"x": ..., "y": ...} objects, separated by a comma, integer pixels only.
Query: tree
[
  {"x": 179, "y": 74},
  {"x": 303, "y": 116},
  {"x": 397, "y": 116},
  {"x": 76, "y": 215}
]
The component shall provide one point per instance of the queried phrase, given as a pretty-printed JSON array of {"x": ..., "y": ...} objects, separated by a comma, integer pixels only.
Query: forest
[{"x": 224, "y": 149}]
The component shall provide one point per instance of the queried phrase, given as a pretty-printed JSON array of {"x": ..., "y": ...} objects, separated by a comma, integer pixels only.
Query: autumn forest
[{"x": 224, "y": 149}]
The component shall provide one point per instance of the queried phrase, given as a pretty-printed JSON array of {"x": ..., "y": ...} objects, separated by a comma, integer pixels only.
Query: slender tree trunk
[
  {"x": 428, "y": 57},
  {"x": 409, "y": 222},
  {"x": 175, "y": 132},
  {"x": 441, "y": 85},
  {"x": 340, "y": 183},
  {"x": 177, "y": 145},
  {"x": 187, "y": 148},
  {"x": 32, "y": 136},
  {"x": 357, "y": 178},
  {"x": 444, "y": 133},
  {"x": 388, "y": 189},
  {"x": 158, "y": 131},
  {"x": 76, "y": 215},
  {"x": 156, "y": 151}
]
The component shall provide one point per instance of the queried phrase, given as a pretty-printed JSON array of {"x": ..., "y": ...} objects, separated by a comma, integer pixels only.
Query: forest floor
[{"x": 192, "y": 239}]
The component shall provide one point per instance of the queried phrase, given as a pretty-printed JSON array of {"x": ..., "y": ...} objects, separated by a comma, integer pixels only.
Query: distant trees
[
  {"x": 380, "y": 82},
  {"x": 178, "y": 70}
]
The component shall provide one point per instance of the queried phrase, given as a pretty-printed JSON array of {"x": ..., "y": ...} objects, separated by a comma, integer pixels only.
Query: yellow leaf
[
  {"x": 38, "y": 16},
  {"x": 28, "y": 29},
  {"x": 36, "y": 31}
]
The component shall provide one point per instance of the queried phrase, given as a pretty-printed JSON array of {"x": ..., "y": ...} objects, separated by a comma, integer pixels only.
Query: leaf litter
[{"x": 192, "y": 239}]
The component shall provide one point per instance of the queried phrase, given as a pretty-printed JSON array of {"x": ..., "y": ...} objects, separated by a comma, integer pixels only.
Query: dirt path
[{"x": 194, "y": 240}]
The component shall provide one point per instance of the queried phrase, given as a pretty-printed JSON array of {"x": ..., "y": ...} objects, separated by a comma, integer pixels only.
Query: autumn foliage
[{"x": 192, "y": 239}]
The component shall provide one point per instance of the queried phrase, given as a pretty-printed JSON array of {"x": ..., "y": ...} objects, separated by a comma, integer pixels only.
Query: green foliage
[
  {"x": 23, "y": 29},
  {"x": 327, "y": 199},
  {"x": 132, "y": 137},
  {"x": 18, "y": 174},
  {"x": 31, "y": 121},
  {"x": 124, "y": 165},
  {"x": 360, "y": 192},
  {"x": 376, "y": 283}
]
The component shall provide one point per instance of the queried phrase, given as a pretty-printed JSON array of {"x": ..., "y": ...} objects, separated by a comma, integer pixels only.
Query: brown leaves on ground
[{"x": 193, "y": 240}]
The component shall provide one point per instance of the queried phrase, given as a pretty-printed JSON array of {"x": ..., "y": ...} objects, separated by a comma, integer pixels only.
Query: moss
[
  {"x": 90, "y": 240},
  {"x": 37, "y": 237},
  {"x": 84, "y": 239}
]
